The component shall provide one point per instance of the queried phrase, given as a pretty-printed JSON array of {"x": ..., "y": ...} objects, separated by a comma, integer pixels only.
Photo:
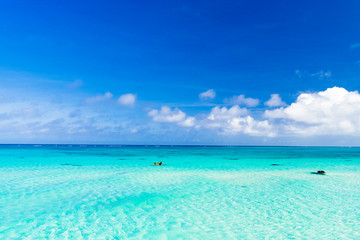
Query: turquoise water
[{"x": 108, "y": 192}]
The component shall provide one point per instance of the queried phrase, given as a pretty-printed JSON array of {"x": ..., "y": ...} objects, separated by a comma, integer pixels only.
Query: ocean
[{"x": 201, "y": 192}]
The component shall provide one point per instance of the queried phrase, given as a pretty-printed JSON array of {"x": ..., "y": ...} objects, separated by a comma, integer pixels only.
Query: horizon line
[{"x": 165, "y": 145}]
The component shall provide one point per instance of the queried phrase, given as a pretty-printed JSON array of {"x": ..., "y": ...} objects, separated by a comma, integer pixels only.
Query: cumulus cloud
[
  {"x": 225, "y": 113},
  {"x": 248, "y": 125},
  {"x": 187, "y": 122},
  {"x": 242, "y": 100},
  {"x": 335, "y": 111},
  {"x": 127, "y": 99},
  {"x": 275, "y": 101},
  {"x": 207, "y": 95},
  {"x": 229, "y": 121},
  {"x": 236, "y": 120},
  {"x": 165, "y": 114},
  {"x": 99, "y": 98}
]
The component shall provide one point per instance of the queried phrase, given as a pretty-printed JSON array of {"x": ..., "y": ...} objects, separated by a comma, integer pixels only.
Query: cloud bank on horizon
[{"x": 332, "y": 112}]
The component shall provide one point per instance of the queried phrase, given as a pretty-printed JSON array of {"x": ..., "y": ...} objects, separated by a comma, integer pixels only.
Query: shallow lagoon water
[{"x": 115, "y": 192}]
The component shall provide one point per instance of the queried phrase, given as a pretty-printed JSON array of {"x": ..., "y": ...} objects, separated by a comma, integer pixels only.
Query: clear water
[{"x": 107, "y": 192}]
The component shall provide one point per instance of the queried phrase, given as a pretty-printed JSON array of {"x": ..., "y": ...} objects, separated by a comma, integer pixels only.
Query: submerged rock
[
  {"x": 275, "y": 164},
  {"x": 320, "y": 172}
]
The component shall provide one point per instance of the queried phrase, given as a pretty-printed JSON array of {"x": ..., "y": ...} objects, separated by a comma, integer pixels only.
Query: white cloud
[
  {"x": 188, "y": 122},
  {"x": 127, "y": 99},
  {"x": 165, "y": 114},
  {"x": 99, "y": 98},
  {"x": 32, "y": 119},
  {"x": 275, "y": 101},
  {"x": 236, "y": 120},
  {"x": 228, "y": 121},
  {"x": 242, "y": 100},
  {"x": 335, "y": 111},
  {"x": 208, "y": 95},
  {"x": 248, "y": 125},
  {"x": 224, "y": 113}
]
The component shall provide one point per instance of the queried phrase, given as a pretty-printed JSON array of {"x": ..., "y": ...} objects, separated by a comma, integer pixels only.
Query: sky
[{"x": 180, "y": 72}]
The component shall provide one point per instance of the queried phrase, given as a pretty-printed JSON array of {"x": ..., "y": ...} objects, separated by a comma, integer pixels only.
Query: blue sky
[{"x": 180, "y": 72}]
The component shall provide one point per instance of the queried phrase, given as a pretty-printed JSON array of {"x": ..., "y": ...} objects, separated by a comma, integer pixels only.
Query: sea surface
[{"x": 115, "y": 192}]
